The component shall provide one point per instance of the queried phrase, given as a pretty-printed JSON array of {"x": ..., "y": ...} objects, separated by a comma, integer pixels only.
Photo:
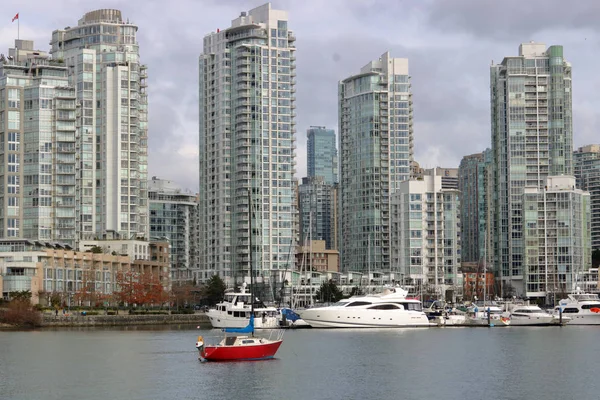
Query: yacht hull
[
  {"x": 536, "y": 321},
  {"x": 362, "y": 318},
  {"x": 219, "y": 319},
  {"x": 586, "y": 319}
]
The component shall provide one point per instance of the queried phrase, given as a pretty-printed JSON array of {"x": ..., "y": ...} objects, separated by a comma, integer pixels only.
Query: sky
[{"x": 450, "y": 46}]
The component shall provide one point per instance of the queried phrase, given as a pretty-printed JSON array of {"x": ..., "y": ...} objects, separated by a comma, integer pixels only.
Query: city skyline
[{"x": 426, "y": 34}]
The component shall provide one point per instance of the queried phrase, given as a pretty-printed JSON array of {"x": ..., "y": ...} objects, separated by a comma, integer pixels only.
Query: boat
[
  {"x": 389, "y": 309},
  {"x": 487, "y": 315},
  {"x": 240, "y": 347},
  {"x": 581, "y": 308},
  {"x": 235, "y": 311},
  {"x": 532, "y": 315},
  {"x": 290, "y": 319}
]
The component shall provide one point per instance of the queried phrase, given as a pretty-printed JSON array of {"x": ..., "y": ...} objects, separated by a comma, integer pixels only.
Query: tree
[
  {"x": 214, "y": 290},
  {"x": 356, "y": 291},
  {"x": 141, "y": 289},
  {"x": 96, "y": 250},
  {"x": 23, "y": 295},
  {"x": 182, "y": 294},
  {"x": 329, "y": 293}
]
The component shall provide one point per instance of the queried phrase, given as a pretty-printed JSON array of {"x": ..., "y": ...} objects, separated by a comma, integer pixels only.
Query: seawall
[{"x": 124, "y": 320}]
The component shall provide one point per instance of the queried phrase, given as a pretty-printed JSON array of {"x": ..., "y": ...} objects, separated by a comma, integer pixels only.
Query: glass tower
[
  {"x": 37, "y": 147},
  {"x": 532, "y": 138},
  {"x": 322, "y": 154},
  {"x": 376, "y": 151},
  {"x": 102, "y": 57},
  {"x": 247, "y": 141},
  {"x": 586, "y": 163}
]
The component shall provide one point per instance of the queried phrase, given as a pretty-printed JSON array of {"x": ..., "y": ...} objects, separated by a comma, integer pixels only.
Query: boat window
[
  {"x": 230, "y": 340},
  {"x": 588, "y": 306},
  {"x": 359, "y": 303},
  {"x": 570, "y": 310},
  {"x": 247, "y": 341},
  {"x": 412, "y": 306},
  {"x": 385, "y": 307},
  {"x": 228, "y": 312},
  {"x": 340, "y": 304}
]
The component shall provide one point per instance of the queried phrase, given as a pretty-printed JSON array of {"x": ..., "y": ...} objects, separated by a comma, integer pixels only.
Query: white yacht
[
  {"x": 389, "y": 309},
  {"x": 581, "y": 308},
  {"x": 234, "y": 312},
  {"x": 532, "y": 315}
]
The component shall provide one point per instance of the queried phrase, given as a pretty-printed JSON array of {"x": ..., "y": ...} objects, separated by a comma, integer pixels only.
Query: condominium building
[
  {"x": 557, "y": 238},
  {"x": 102, "y": 56},
  {"x": 318, "y": 211},
  {"x": 247, "y": 140},
  {"x": 37, "y": 147},
  {"x": 173, "y": 215},
  {"x": 51, "y": 270},
  {"x": 532, "y": 138},
  {"x": 426, "y": 235},
  {"x": 322, "y": 154},
  {"x": 449, "y": 176},
  {"x": 476, "y": 195},
  {"x": 376, "y": 149},
  {"x": 586, "y": 163}
]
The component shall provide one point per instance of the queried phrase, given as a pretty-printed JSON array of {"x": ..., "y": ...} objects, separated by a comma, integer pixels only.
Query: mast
[{"x": 250, "y": 231}]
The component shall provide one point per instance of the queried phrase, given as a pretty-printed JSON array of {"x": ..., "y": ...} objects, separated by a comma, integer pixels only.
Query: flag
[{"x": 15, "y": 17}]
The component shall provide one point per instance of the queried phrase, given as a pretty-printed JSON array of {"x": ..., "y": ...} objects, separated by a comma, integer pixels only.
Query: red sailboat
[
  {"x": 244, "y": 347},
  {"x": 241, "y": 348}
]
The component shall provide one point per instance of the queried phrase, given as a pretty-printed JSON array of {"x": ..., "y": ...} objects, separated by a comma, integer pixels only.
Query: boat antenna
[{"x": 250, "y": 230}]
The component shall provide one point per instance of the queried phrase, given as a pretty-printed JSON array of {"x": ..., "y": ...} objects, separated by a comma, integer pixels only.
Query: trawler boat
[
  {"x": 389, "y": 309},
  {"x": 581, "y": 308},
  {"x": 531, "y": 315},
  {"x": 235, "y": 311}
]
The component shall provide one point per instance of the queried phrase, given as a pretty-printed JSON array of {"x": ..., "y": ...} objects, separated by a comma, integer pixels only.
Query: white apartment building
[
  {"x": 102, "y": 56},
  {"x": 247, "y": 142},
  {"x": 557, "y": 238},
  {"x": 376, "y": 152},
  {"x": 532, "y": 138},
  {"x": 426, "y": 235},
  {"x": 37, "y": 147}
]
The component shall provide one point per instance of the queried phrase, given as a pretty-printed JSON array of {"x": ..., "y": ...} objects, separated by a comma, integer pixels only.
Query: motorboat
[
  {"x": 241, "y": 347},
  {"x": 581, "y": 308},
  {"x": 532, "y": 315},
  {"x": 389, "y": 309},
  {"x": 486, "y": 315},
  {"x": 235, "y": 311}
]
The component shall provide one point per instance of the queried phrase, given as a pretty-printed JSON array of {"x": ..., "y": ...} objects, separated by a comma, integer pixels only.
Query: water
[{"x": 448, "y": 364}]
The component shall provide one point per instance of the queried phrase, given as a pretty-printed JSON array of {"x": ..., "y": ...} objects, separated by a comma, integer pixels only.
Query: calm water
[{"x": 475, "y": 363}]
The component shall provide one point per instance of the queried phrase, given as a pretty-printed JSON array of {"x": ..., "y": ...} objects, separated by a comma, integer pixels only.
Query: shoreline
[{"x": 123, "y": 320}]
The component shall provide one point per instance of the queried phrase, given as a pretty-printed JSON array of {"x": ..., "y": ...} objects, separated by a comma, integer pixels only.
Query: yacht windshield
[{"x": 340, "y": 304}]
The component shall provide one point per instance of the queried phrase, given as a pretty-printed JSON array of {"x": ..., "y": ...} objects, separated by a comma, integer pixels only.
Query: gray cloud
[{"x": 450, "y": 45}]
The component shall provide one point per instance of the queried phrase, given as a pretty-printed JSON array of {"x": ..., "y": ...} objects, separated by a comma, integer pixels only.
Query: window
[
  {"x": 359, "y": 303},
  {"x": 385, "y": 307}
]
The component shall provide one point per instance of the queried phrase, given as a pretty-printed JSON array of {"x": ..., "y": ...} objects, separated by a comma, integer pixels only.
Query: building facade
[
  {"x": 376, "y": 150},
  {"x": 318, "y": 211},
  {"x": 557, "y": 238},
  {"x": 426, "y": 236},
  {"x": 37, "y": 147},
  {"x": 173, "y": 215},
  {"x": 532, "y": 138},
  {"x": 475, "y": 176},
  {"x": 322, "y": 154},
  {"x": 586, "y": 163},
  {"x": 102, "y": 56},
  {"x": 247, "y": 141}
]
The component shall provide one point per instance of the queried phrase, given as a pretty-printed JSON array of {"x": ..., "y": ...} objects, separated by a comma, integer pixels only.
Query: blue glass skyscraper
[{"x": 322, "y": 154}]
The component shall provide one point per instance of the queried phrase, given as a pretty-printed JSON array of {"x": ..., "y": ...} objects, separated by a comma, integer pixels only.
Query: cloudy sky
[{"x": 450, "y": 46}]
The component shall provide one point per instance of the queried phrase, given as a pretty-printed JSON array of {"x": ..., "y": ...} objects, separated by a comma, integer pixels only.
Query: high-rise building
[
  {"x": 449, "y": 176},
  {"x": 103, "y": 60},
  {"x": 317, "y": 209},
  {"x": 532, "y": 138},
  {"x": 37, "y": 147},
  {"x": 586, "y": 163},
  {"x": 173, "y": 215},
  {"x": 426, "y": 235},
  {"x": 322, "y": 154},
  {"x": 376, "y": 151},
  {"x": 247, "y": 140},
  {"x": 476, "y": 195},
  {"x": 557, "y": 238}
]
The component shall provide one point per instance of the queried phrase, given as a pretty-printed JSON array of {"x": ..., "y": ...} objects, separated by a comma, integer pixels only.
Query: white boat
[
  {"x": 581, "y": 308},
  {"x": 235, "y": 310},
  {"x": 389, "y": 309},
  {"x": 478, "y": 316},
  {"x": 532, "y": 315}
]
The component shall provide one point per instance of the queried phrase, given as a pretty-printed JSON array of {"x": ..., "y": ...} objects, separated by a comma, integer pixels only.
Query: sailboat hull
[{"x": 254, "y": 352}]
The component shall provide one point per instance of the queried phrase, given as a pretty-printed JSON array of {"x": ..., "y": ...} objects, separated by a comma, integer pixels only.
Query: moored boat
[
  {"x": 532, "y": 315},
  {"x": 581, "y": 308}
]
